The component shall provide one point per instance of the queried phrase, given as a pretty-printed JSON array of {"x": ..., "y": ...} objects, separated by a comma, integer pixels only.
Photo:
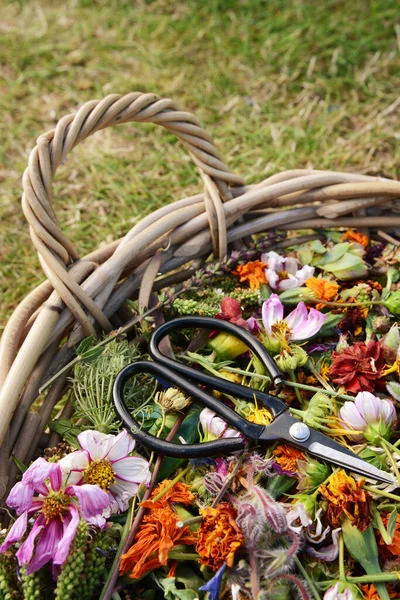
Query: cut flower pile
[{"x": 98, "y": 516}]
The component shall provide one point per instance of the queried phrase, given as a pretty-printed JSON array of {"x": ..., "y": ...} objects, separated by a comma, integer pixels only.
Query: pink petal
[
  {"x": 92, "y": 499},
  {"x": 132, "y": 468},
  {"x": 56, "y": 479},
  {"x": 69, "y": 531},
  {"x": 351, "y": 416},
  {"x": 96, "y": 443},
  {"x": 272, "y": 278},
  {"x": 211, "y": 423},
  {"x": 313, "y": 324},
  {"x": 38, "y": 472},
  {"x": 388, "y": 412},
  {"x": 297, "y": 319},
  {"x": 122, "y": 446},
  {"x": 272, "y": 312},
  {"x": 290, "y": 265},
  {"x": 73, "y": 465},
  {"x": 46, "y": 546},
  {"x": 230, "y": 432},
  {"x": 288, "y": 284},
  {"x": 231, "y": 308},
  {"x": 328, "y": 553},
  {"x": 20, "y": 497},
  {"x": 25, "y": 551},
  {"x": 369, "y": 406},
  {"x": 16, "y": 532}
]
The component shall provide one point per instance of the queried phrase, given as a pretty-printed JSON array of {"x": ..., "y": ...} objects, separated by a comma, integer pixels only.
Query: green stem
[
  {"x": 381, "y": 577},
  {"x": 172, "y": 483},
  {"x": 385, "y": 446},
  {"x": 191, "y": 521},
  {"x": 109, "y": 339},
  {"x": 310, "y": 582},
  {"x": 342, "y": 573},
  {"x": 183, "y": 555},
  {"x": 382, "y": 493},
  {"x": 351, "y": 304},
  {"x": 295, "y": 384},
  {"x": 296, "y": 389},
  {"x": 317, "y": 375}
]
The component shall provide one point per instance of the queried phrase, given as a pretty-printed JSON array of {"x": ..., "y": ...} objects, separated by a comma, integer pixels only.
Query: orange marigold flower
[
  {"x": 322, "y": 288},
  {"x": 347, "y": 499},
  {"x": 287, "y": 457},
  {"x": 370, "y": 592},
  {"x": 180, "y": 492},
  {"x": 355, "y": 236},
  {"x": 218, "y": 536},
  {"x": 253, "y": 272},
  {"x": 157, "y": 535},
  {"x": 394, "y": 547}
]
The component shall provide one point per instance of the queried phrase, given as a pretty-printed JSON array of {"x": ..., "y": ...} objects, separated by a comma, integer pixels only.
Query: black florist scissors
[{"x": 284, "y": 427}]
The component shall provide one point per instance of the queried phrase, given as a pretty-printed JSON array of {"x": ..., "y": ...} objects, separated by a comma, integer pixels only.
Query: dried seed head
[{"x": 172, "y": 399}]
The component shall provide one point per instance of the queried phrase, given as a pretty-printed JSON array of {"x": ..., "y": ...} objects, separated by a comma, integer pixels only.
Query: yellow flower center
[
  {"x": 55, "y": 505},
  {"x": 280, "y": 329},
  {"x": 100, "y": 472}
]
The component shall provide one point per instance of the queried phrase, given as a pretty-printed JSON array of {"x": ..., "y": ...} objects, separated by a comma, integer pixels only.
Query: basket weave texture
[{"x": 84, "y": 296}]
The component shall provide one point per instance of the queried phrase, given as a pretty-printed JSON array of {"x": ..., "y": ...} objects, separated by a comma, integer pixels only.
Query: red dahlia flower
[{"x": 358, "y": 367}]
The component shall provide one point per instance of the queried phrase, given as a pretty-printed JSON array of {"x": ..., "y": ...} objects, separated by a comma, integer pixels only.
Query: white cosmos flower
[{"x": 104, "y": 460}]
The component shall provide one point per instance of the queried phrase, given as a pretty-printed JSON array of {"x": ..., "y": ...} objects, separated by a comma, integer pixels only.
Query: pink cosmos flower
[
  {"x": 298, "y": 325},
  {"x": 104, "y": 460},
  {"x": 58, "y": 508},
  {"x": 214, "y": 427},
  {"x": 369, "y": 416},
  {"x": 283, "y": 273}
]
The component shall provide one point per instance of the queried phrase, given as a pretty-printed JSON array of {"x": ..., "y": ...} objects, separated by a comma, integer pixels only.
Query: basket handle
[{"x": 55, "y": 250}]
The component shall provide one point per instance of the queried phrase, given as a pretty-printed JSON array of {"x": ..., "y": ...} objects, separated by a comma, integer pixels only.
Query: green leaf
[
  {"x": 86, "y": 352},
  {"x": 392, "y": 524},
  {"x": 171, "y": 592},
  {"x": 20, "y": 465},
  {"x": 67, "y": 430},
  {"x": 85, "y": 345},
  {"x": 363, "y": 548},
  {"x": 190, "y": 433}
]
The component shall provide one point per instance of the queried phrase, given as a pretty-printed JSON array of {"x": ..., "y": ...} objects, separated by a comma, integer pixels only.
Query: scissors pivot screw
[{"x": 300, "y": 432}]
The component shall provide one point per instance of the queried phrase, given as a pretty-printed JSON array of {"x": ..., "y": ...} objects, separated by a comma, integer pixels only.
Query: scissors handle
[
  {"x": 214, "y": 448},
  {"x": 275, "y": 405}
]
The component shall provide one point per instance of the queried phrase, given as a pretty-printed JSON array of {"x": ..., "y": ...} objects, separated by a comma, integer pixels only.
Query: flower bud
[
  {"x": 342, "y": 591},
  {"x": 342, "y": 343},
  {"x": 310, "y": 503},
  {"x": 296, "y": 295},
  {"x": 312, "y": 474},
  {"x": 393, "y": 303},
  {"x": 381, "y": 324},
  {"x": 391, "y": 343},
  {"x": 227, "y": 346},
  {"x": 172, "y": 399},
  {"x": 393, "y": 387},
  {"x": 291, "y": 358}
]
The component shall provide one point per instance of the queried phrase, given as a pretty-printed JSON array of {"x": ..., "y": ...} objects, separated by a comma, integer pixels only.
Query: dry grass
[{"x": 279, "y": 85}]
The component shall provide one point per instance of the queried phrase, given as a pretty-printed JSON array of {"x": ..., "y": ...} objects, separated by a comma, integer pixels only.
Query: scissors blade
[{"x": 321, "y": 446}]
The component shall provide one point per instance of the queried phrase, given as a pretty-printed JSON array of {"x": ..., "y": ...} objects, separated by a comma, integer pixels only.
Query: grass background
[{"x": 278, "y": 84}]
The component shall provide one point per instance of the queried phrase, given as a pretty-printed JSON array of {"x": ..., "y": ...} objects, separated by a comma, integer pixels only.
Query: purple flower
[
  {"x": 283, "y": 272},
  {"x": 298, "y": 325},
  {"x": 368, "y": 417},
  {"x": 214, "y": 427},
  {"x": 214, "y": 584},
  {"x": 104, "y": 461},
  {"x": 58, "y": 508}
]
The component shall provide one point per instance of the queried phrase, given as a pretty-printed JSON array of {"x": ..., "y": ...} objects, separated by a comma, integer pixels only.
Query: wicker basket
[{"x": 82, "y": 296}]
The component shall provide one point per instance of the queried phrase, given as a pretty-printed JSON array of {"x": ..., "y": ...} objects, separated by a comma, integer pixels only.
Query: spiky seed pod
[
  {"x": 246, "y": 297},
  {"x": 69, "y": 581},
  {"x": 95, "y": 565},
  {"x": 9, "y": 585},
  {"x": 31, "y": 585}
]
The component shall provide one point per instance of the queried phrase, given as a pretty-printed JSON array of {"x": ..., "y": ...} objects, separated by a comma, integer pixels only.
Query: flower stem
[
  {"x": 129, "y": 532},
  {"x": 183, "y": 555},
  {"x": 115, "y": 334},
  {"x": 310, "y": 582},
  {"x": 296, "y": 389},
  {"x": 188, "y": 522},
  {"x": 171, "y": 484},
  {"x": 386, "y": 448},
  {"x": 382, "y": 493},
  {"x": 342, "y": 573}
]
